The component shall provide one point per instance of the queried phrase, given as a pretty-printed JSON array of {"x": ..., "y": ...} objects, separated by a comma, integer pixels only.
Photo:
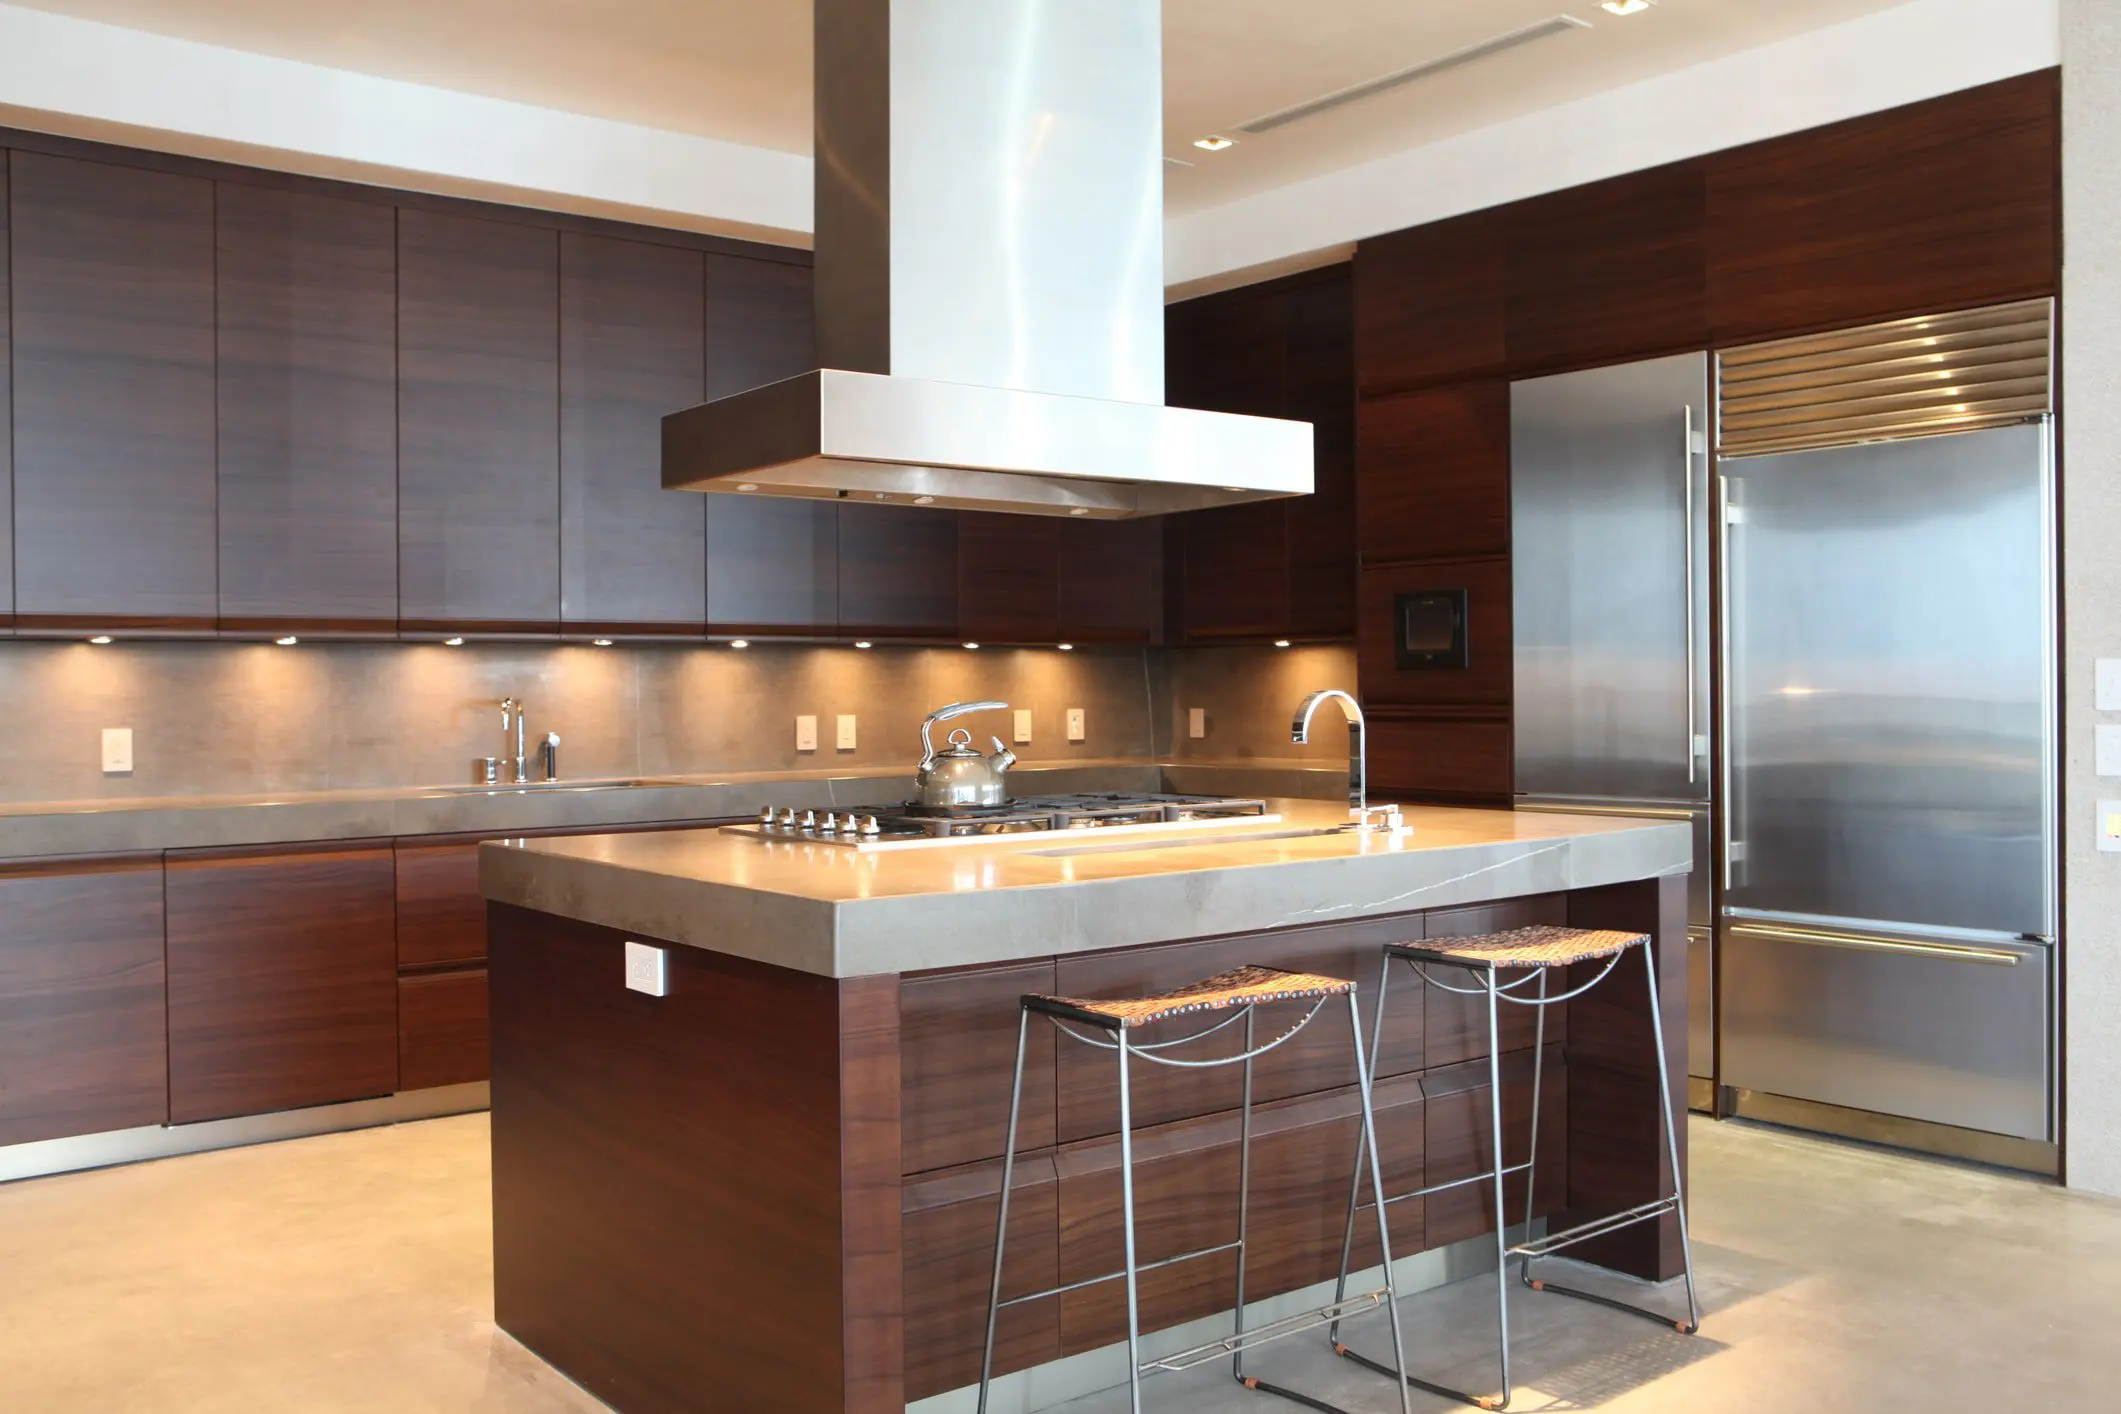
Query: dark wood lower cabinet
[
  {"x": 441, "y": 914},
  {"x": 83, "y": 1045},
  {"x": 441, "y": 1028},
  {"x": 948, "y": 1228},
  {"x": 282, "y": 979}
]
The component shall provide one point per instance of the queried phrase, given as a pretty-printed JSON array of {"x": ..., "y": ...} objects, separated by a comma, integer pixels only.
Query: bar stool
[
  {"x": 1535, "y": 951},
  {"x": 1240, "y": 993}
]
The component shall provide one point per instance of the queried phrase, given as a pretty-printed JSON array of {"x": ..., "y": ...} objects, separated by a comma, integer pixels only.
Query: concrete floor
[{"x": 351, "y": 1273}]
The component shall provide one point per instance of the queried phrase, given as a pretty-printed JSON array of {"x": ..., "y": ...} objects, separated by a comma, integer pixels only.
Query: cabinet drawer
[
  {"x": 441, "y": 914},
  {"x": 441, "y": 1029}
]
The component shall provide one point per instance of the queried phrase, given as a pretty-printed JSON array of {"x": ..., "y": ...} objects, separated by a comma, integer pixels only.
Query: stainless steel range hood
[{"x": 989, "y": 281}]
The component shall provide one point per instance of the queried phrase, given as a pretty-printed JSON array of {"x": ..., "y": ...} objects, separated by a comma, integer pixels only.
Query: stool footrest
[
  {"x": 1115, "y": 1276},
  {"x": 1478, "y": 1401},
  {"x": 1272, "y": 1331},
  {"x": 1486, "y": 1176},
  {"x": 1597, "y": 1227}
]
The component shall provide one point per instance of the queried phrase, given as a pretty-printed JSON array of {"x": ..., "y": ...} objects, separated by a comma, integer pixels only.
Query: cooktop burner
[{"x": 877, "y": 826}]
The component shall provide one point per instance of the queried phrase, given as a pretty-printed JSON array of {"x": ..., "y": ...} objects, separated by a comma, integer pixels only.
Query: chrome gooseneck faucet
[
  {"x": 1359, "y": 809},
  {"x": 512, "y": 740}
]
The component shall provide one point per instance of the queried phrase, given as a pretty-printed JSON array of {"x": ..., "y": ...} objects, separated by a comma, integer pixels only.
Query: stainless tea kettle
[{"x": 959, "y": 776}]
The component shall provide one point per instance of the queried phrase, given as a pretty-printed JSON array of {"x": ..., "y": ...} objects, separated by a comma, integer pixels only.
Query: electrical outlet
[
  {"x": 1023, "y": 725},
  {"x": 1075, "y": 724},
  {"x": 647, "y": 969},
  {"x": 1196, "y": 722},
  {"x": 806, "y": 733},
  {"x": 2108, "y": 679},
  {"x": 843, "y": 737},
  {"x": 2107, "y": 750},
  {"x": 117, "y": 751}
]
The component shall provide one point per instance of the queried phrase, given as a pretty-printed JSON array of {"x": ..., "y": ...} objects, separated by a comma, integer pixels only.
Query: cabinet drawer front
[
  {"x": 441, "y": 1029},
  {"x": 441, "y": 913}
]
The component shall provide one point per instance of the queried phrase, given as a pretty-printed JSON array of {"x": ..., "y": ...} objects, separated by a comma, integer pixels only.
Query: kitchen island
[{"x": 773, "y": 1187}]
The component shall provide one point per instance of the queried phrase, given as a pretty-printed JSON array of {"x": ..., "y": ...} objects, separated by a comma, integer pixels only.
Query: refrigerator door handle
[
  {"x": 1686, "y": 483},
  {"x": 1857, "y": 942}
]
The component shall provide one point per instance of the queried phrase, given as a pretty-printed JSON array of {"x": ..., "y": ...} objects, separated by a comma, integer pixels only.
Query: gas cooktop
[{"x": 901, "y": 825}]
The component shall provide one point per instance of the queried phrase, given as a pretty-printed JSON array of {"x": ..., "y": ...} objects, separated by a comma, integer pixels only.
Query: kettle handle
[{"x": 944, "y": 714}]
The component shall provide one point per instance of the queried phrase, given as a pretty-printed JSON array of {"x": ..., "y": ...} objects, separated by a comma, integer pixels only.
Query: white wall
[
  {"x": 2091, "y": 577},
  {"x": 1896, "y": 56}
]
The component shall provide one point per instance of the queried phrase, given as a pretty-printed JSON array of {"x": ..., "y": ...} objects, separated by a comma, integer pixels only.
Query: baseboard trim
[{"x": 162, "y": 1141}]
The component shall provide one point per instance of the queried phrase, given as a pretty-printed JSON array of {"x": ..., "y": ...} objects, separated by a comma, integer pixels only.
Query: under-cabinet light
[
  {"x": 1065, "y": 647},
  {"x": 288, "y": 642},
  {"x": 100, "y": 638},
  {"x": 739, "y": 643},
  {"x": 972, "y": 645},
  {"x": 1281, "y": 643},
  {"x": 863, "y": 643},
  {"x": 601, "y": 642}
]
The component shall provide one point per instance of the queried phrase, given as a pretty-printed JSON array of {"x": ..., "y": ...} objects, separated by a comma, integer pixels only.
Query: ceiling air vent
[
  {"x": 1456, "y": 59},
  {"x": 1910, "y": 378}
]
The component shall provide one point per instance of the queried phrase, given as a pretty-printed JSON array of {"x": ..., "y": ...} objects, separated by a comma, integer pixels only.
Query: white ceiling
[{"x": 740, "y": 69}]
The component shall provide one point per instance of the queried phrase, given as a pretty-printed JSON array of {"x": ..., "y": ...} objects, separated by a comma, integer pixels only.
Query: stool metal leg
[
  {"x": 1347, "y": 1235},
  {"x": 1001, "y": 1223},
  {"x": 1539, "y": 1074},
  {"x": 1244, "y": 1194},
  {"x": 1502, "y": 1234},
  {"x": 1671, "y": 1145},
  {"x": 1377, "y": 1186},
  {"x": 1126, "y": 1204}
]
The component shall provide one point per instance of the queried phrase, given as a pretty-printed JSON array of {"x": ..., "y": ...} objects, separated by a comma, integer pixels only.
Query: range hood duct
[{"x": 988, "y": 281}]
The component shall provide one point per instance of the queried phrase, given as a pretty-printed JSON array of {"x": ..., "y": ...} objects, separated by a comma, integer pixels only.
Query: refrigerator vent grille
[{"x": 1921, "y": 377}]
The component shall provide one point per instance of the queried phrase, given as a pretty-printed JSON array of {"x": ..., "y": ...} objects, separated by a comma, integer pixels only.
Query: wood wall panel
[
  {"x": 83, "y": 1035},
  {"x": 1434, "y": 473},
  {"x": 959, "y": 1033},
  {"x": 1431, "y": 303},
  {"x": 305, "y": 302},
  {"x": 1490, "y": 671},
  {"x": 1460, "y": 759},
  {"x": 113, "y": 345},
  {"x": 1933, "y": 206},
  {"x": 948, "y": 1226},
  {"x": 478, "y": 422},
  {"x": 1008, "y": 577},
  {"x": 632, "y": 348},
  {"x": 441, "y": 1028},
  {"x": 282, "y": 979}
]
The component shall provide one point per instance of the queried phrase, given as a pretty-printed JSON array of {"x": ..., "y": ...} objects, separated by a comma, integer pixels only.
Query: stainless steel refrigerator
[{"x": 1881, "y": 880}]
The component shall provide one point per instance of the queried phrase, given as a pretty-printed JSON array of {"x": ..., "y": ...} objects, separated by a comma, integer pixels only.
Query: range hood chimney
[{"x": 989, "y": 281}]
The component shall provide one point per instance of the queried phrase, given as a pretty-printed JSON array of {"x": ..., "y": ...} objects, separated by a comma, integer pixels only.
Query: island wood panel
[
  {"x": 441, "y": 915},
  {"x": 112, "y": 291},
  {"x": 633, "y": 557},
  {"x": 1435, "y": 473},
  {"x": 282, "y": 979},
  {"x": 948, "y": 1226},
  {"x": 1610, "y": 271},
  {"x": 1320, "y": 1058},
  {"x": 478, "y": 423},
  {"x": 1616, "y": 1159},
  {"x": 1932, "y": 206},
  {"x": 958, "y": 1035},
  {"x": 1008, "y": 577},
  {"x": 626, "y": 1128},
  {"x": 1460, "y": 1123},
  {"x": 305, "y": 304},
  {"x": 1489, "y": 676},
  {"x": 898, "y": 572},
  {"x": 7, "y": 421},
  {"x": 441, "y": 1028},
  {"x": 1461, "y": 759},
  {"x": 1454, "y": 1026},
  {"x": 1321, "y": 391},
  {"x": 1431, "y": 303},
  {"x": 83, "y": 1032},
  {"x": 1111, "y": 581}
]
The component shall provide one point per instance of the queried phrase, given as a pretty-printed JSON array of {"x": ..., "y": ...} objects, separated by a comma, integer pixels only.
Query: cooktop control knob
[
  {"x": 809, "y": 819},
  {"x": 870, "y": 827},
  {"x": 786, "y": 818},
  {"x": 767, "y": 815}
]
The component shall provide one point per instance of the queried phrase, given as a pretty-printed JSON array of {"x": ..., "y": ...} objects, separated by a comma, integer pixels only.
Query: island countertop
[{"x": 832, "y": 911}]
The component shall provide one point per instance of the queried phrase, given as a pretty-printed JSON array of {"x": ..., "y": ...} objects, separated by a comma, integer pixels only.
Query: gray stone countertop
[
  {"x": 54, "y": 829},
  {"x": 837, "y": 912}
]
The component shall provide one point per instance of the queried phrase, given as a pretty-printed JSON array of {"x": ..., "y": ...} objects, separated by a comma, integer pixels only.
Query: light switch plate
[
  {"x": 806, "y": 733},
  {"x": 2108, "y": 695},
  {"x": 647, "y": 969},
  {"x": 2107, "y": 750},
  {"x": 117, "y": 751},
  {"x": 843, "y": 737},
  {"x": 1075, "y": 724},
  {"x": 1196, "y": 722},
  {"x": 1023, "y": 726}
]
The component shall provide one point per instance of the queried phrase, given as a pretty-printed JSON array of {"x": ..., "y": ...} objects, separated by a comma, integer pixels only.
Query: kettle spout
[{"x": 1003, "y": 758}]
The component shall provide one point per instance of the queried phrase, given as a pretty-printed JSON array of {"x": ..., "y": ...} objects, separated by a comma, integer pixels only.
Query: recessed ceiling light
[
  {"x": 1281, "y": 643},
  {"x": 972, "y": 645},
  {"x": 601, "y": 642},
  {"x": 100, "y": 638},
  {"x": 287, "y": 642},
  {"x": 1625, "y": 7},
  {"x": 1214, "y": 142},
  {"x": 863, "y": 643},
  {"x": 1065, "y": 647},
  {"x": 452, "y": 643}
]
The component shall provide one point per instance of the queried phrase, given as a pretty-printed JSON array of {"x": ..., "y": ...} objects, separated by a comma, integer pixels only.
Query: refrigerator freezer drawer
[
  {"x": 1950, "y": 1032},
  {"x": 1700, "y": 1003}
]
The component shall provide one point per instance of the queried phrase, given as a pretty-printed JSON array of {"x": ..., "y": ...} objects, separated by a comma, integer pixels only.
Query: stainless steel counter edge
[{"x": 962, "y": 927}]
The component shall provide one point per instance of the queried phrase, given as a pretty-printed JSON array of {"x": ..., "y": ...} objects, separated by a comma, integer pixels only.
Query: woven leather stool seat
[
  {"x": 1543, "y": 945},
  {"x": 1244, "y": 986}
]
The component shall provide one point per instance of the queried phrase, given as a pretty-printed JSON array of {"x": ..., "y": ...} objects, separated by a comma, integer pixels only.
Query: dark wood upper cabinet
[
  {"x": 898, "y": 571},
  {"x": 1430, "y": 303},
  {"x": 1611, "y": 271},
  {"x": 113, "y": 345},
  {"x": 771, "y": 563},
  {"x": 7, "y": 425},
  {"x": 305, "y": 308},
  {"x": 1008, "y": 577},
  {"x": 478, "y": 422},
  {"x": 1111, "y": 578},
  {"x": 1435, "y": 473},
  {"x": 83, "y": 1042},
  {"x": 1321, "y": 384},
  {"x": 283, "y": 979},
  {"x": 632, "y": 348},
  {"x": 1933, "y": 206},
  {"x": 1233, "y": 572}
]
